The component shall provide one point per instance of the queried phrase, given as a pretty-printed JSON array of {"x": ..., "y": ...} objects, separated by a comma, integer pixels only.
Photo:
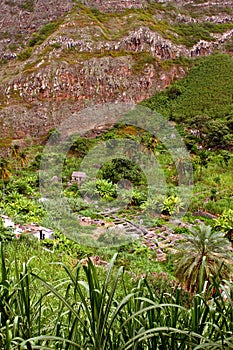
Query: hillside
[
  {"x": 203, "y": 100},
  {"x": 60, "y": 58}
]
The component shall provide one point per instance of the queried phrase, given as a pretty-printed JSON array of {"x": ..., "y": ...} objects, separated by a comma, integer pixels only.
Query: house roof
[{"x": 79, "y": 174}]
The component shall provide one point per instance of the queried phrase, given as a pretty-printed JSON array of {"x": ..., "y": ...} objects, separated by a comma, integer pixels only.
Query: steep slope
[
  {"x": 86, "y": 56},
  {"x": 202, "y": 101},
  {"x": 20, "y": 18},
  {"x": 208, "y": 88}
]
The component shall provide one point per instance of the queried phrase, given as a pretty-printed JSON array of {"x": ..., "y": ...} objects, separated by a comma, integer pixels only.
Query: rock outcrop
[
  {"x": 39, "y": 101},
  {"x": 115, "y": 5},
  {"x": 19, "y": 18}
]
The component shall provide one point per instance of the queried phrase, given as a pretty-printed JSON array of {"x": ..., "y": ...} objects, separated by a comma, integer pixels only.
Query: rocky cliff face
[
  {"x": 38, "y": 101},
  {"x": 115, "y": 5},
  {"x": 19, "y": 19},
  {"x": 92, "y": 57}
]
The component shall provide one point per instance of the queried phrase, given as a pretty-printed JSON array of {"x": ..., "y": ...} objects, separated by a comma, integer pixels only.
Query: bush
[
  {"x": 20, "y": 186},
  {"x": 6, "y": 233},
  {"x": 106, "y": 189},
  {"x": 225, "y": 223},
  {"x": 28, "y": 5},
  {"x": 25, "y": 54},
  {"x": 118, "y": 169},
  {"x": 44, "y": 32}
]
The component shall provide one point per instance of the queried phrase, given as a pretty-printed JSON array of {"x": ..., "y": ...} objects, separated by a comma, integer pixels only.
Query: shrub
[
  {"x": 118, "y": 169},
  {"x": 106, "y": 189},
  {"x": 6, "y": 233},
  {"x": 28, "y": 5},
  {"x": 25, "y": 54},
  {"x": 44, "y": 32},
  {"x": 225, "y": 223}
]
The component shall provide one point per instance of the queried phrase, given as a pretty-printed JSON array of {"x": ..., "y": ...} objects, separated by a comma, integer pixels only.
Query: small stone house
[{"x": 78, "y": 177}]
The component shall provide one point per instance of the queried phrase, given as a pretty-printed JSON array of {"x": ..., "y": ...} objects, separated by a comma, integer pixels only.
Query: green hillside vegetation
[
  {"x": 203, "y": 100},
  {"x": 190, "y": 33},
  {"x": 48, "y": 300}
]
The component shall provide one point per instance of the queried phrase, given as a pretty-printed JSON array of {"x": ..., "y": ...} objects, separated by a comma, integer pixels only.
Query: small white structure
[
  {"x": 42, "y": 199},
  {"x": 18, "y": 231},
  {"x": 7, "y": 222},
  {"x": 46, "y": 233},
  {"x": 78, "y": 177},
  {"x": 40, "y": 232},
  {"x": 37, "y": 231}
]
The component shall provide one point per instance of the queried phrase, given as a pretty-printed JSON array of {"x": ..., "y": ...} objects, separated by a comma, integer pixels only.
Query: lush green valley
[
  {"x": 116, "y": 224},
  {"x": 51, "y": 300}
]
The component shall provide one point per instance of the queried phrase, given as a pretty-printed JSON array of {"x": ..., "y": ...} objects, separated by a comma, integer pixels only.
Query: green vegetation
[
  {"x": 118, "y": 169},
  {"x": 28, "y": 5},
  {"x": 113, "y": 26},
  {"x": 191, "y": 33},
  {"x": 44, "y": 32},
  {"x": 6, "y": 234},
  {"x": 187, "y": 34},
  {"x": 141, "y": 59},
  {"x": 64, "y": 307},
  {"x": 37, "y": 39},
  {"x": 202, "y": 101},
  {"x": 25, "y": 54},
  {"x": 225, "y": 223},
  {"x": 205, "y": 254},
  {"x": 49, "y": 299}
]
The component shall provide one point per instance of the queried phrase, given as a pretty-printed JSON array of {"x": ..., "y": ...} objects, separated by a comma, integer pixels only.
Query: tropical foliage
[
  {"x": 92, "y": 309},
  {"x": 189, "y": 102},
  {"x": 205, "y": 254},
  {"x": 225, "y": 223},
  {"x": 48, "y": 300}
]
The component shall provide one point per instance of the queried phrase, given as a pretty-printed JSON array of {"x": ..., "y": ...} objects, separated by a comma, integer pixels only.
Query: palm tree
[
  {"x": 15, "y": 152},
  {"x": 19, "y": 156},
  {"x": 22, "y": 158},
  {"x": 4, "y": 172},
  {"x": 204, "y": 255},
  {"x": 4, "y": 169}
]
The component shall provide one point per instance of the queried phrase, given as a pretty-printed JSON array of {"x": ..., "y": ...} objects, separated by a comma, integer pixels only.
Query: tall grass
[{"x": 93, "y": 310}]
